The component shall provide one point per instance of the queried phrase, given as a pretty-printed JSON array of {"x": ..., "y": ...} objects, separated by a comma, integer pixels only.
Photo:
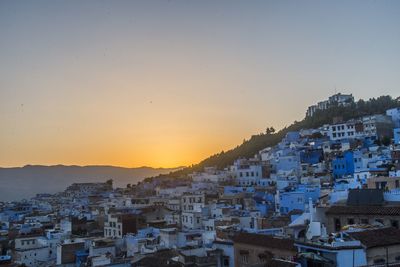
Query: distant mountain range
[{"x": 25, "y": 182}]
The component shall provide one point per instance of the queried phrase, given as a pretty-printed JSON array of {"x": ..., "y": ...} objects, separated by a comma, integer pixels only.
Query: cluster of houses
[{"x": 321, "y": 197}]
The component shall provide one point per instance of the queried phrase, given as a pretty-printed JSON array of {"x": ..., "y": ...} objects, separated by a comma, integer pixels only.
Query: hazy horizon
[
  {"x": 75, "y": 165},
  {"x": 169, "y": 83}
]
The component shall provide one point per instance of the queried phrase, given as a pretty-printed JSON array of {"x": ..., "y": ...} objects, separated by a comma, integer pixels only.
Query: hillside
[
  {"x": 25, "y": 182},
  {"x": 257, "y": 142}
]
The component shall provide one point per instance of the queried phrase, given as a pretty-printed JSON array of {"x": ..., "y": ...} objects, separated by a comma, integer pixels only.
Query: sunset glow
[{"x": 168, "y": 83}]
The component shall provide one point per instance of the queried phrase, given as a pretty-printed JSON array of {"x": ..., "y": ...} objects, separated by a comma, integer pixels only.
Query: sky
[{"x": 168, "y": 83}]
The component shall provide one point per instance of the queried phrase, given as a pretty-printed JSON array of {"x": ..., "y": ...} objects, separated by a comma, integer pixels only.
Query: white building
[
  {"x": 335, "y": 100},
  {"x": 394, "y": 113},
  {"x": 32, "y": 251},
  {"x": 339, "y": 131}
]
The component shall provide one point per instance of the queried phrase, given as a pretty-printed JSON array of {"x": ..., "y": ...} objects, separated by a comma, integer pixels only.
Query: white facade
[
  {"x": 192, "y": 220},
  {"x": 340, "y": 131},
  {"x": 32, "y": 251},
  {"x": 169, "y": 237},
  {"x": 113, "y": 227}
]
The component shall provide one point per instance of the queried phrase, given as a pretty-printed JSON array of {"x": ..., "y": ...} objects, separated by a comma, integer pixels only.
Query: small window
[
  {"x": 394, "y": 223},
  {"x": 350, "y": 221},
  {"x": 364, "y": 221},
  {"x": 244, "y": 259}
]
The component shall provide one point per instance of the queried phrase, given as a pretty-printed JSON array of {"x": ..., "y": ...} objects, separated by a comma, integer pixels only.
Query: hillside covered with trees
[{"x": 270, "y": 138}]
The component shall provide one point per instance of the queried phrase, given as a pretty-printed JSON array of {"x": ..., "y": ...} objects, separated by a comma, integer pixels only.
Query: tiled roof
[
  {"x": 267, "y": 241},
  {"x": 378, "y": 237},
  {"x": 365, "y": 210}
]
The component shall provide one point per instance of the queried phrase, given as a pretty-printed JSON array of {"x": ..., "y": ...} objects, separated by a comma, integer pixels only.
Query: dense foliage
[{"x": 258, "y": 142}]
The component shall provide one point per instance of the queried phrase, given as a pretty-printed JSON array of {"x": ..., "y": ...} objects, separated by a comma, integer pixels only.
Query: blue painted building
[
  {"x": 297, "y": 199},
  {"x": 287, "y": 162},
  {"x": 343, "y": 165},
  {"x": 396, "y": 134},
  {"x": 264, "y": 202},
  {"x": 311, "y": 156},
  {"x": 292, "y": 136}
]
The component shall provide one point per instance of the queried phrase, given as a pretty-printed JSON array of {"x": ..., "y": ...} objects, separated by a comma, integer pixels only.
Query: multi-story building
[
  {"x": 335, "y": 100},
  {"x": 363, "y": 206},
  {"x": 340, "y": 131},
  {"x": 377, "y": 126},
  {"x": 118, "y": 225},
  {"x": 343, "y": 165}
]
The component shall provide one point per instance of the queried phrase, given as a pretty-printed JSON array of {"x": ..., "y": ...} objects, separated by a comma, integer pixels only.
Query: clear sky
[{"x": 167, "y": 83}]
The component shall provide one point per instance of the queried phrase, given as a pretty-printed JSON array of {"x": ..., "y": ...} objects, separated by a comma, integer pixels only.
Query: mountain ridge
[
  {"x": 258, "y": 142},
  {"x": 25, "y": 182}
]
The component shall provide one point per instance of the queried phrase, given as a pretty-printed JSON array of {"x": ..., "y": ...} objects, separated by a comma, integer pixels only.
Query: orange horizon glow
[{"x": 169, "y": 83}]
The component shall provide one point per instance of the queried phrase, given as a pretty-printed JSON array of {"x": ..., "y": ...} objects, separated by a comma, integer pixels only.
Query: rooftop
[
  {"x": 378, "y": 237},
  {"x": 365, "y": 210},
  {"x": 265, "y": 241}
]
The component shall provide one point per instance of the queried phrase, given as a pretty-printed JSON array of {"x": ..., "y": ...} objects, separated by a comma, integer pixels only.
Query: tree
[
  {"x": 128, "y": 186},
  {"x": 270, "y": 130},
  {"x": 109, "y": 182}
]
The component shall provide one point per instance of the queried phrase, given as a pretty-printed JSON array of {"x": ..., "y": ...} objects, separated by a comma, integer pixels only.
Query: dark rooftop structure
[
  {"x": 365, "y": 210},
  {"x": 365, "y": 197},
  {"x": 265, "y": 241}
]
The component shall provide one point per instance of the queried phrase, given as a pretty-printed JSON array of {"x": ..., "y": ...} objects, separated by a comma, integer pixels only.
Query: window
[
  {"x": 394, "y": 223},
  {"x": 350, "y": 221},
  {"x": 397, "y": 184},
  {"x": 364, "y": 221},
  {"x": 244, "y": 259}
]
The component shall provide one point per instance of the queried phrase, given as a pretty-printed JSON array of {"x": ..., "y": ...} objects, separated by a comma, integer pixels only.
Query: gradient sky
[{"x": 167, "y": 83}]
